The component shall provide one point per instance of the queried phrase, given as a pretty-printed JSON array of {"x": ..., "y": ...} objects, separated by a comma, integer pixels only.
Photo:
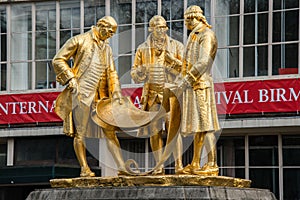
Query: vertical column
[
  {"x": 270, "y": 38},
  {"x": 107, "y": 163},
  {"x": 280, "y": 160},
  {"x": 241, "y": 50},
  {"x": 10, "y": 152},
  {"x": 247, "y": 157}
]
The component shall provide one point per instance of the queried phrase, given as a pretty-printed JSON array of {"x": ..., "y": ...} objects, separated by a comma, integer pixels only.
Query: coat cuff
[{"x": 64, "y": 77}]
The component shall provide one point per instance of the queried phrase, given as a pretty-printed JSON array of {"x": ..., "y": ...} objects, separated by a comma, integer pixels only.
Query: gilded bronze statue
[
  {"x": 157, "y": 63},
  {"x": 199, "y": 113},
  {"x": 92, "y": 77}
]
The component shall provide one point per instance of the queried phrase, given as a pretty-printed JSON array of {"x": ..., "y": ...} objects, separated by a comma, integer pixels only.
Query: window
[
  {"x": 3, "y": 152},
  {"x": 291, "y": 166},
  {"x": 21, "y": 39},
  {"x": 266, "y": 37},
  {"x": 45, "y": 45},
  {"x": 3, "y": 44},
  {"x": 227, "y": 18},
  {"x": 231, "y": 156},
  {"x": 93, "y": 10},
  {"x": 69, "y": 20},
  {"x": 48, "y": 151}
]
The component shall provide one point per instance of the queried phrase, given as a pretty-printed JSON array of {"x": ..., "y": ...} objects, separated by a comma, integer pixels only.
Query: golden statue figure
[
  {"x": 199, "y": 114},
  {"x": 92, "y": 77},
  {"x": 157, "y": 63}
]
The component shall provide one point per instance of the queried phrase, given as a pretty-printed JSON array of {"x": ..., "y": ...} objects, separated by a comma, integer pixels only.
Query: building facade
[{"x": 256, "y": 71}]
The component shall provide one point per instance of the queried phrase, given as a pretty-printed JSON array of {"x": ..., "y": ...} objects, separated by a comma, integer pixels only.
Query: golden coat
[
  {"x": 199, "y": 108},
  {"x": 84, "y": 49}
]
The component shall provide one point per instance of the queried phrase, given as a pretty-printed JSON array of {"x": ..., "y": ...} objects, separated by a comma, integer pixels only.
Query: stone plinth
[
  {"x": 172, "y": 187},
  {"x": 152, "y": 192}
]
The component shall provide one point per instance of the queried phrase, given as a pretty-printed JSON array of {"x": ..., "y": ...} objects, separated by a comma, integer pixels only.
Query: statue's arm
[
  {"x": 138, "y": 70},
  {"x": 208, "y": 48},
  {"x": 174, "y": 60},
  {"x": 60, "y": 61}
]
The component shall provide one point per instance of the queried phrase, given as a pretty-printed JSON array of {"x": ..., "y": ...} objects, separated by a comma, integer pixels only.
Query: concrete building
[{"x": 257, "y": 88}]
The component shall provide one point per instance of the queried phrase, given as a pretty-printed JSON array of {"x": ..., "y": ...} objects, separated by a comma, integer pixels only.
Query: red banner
[
  {"x": 28, "y": 108},
  {"x": 275, "y": 96}
]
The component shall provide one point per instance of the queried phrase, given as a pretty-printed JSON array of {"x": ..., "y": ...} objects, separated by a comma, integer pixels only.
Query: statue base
[
  {"x": 152, "y": 193},
  {"x": 172, "y": 187},
  {"x": 163, "y": 180}
]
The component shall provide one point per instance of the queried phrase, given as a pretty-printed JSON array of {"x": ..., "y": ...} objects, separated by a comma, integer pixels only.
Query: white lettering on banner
[
  {"x": 277, "y": 95},
  {"x": 30, "y": 107},
  {"x": 137, "y": 102},
  {"x": 292, "y": 92},
  {"x": 264, "y": 95},
  {"x": 53, "y": 106},
  {"x": 233, "y": 97}
]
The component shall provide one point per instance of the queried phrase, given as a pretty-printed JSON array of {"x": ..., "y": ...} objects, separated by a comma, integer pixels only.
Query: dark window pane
[
  {"x": 249, "y": 61},
  {"x": 277, "y": 4},
  {"x": 134, "y": 149},
  {"x": 262, "y": 62},
  {"x": 232, "y": 172},
  {"x": 66, "y": 154},
  {"x": 277, "y": 26},
  {"x": 233, "y": 57},
  {"x": 262, "y": 28},
  {"x": 176, "y": 30},
  {"x": 3, "y": 21},
  {"x": 145, "y": 11},
  {"x": 262, "y": 5},
  {"x": 265, "y": 179},
  {"x": 291, "y": 55},
  {"x": 201, "y": 3},
  {"x": 121, "y": 11},
  {"x": 276, "y": 59},
  {"x": 234, "y": 6},
  {"x": 231, "y": 151},
  {"x": 172, "y": 10},
  {"x": 286, "y": 26},
  {"x": 93, "y": 10},
  {"x": 249, "y": 6},
  {"x": 3, "y": 77},
  {"x": 291, "y": 150},
  {"x": 234, "y": 26},
  {"x": 35, "y": 151},
  {"x": 291, "y": 181},
  {"x": 249, "y": 29},
  {"x": 291, "y": 25},
  {"x": 3, "y": 152},
  {"x": 263, "y": 151},
  {"x": 64, "y": 36},
  {"x": 3, "y": 47},
  {"x": 290, "y": 4}
]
